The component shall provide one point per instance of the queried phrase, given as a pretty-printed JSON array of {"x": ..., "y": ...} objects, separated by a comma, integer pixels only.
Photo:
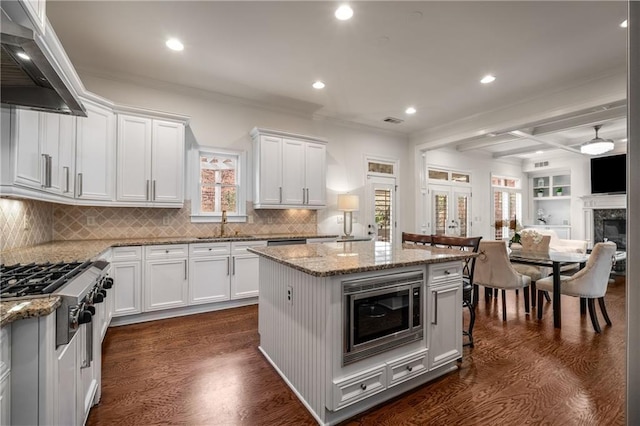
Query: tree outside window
[{"x": 219, "y": 184}]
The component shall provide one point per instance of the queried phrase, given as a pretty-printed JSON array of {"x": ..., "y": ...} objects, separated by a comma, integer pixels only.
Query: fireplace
[{"x": 615, "y": 230}]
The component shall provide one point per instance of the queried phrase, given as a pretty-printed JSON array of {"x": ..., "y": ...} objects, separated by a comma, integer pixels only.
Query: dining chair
[
  {"x": 494, "y": 270},
  {"x": 533, "y": 241},
  {"x": 471, "y": 244},
  {"x": 417, "y": 239},
  {"x": 590, "y": 282}
]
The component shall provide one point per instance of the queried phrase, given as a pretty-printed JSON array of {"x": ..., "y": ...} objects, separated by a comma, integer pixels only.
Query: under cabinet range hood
[{"x": 28, "y": 77}]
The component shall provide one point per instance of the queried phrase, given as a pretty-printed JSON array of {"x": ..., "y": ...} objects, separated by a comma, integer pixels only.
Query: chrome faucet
[{"x": 223, "y": 223}]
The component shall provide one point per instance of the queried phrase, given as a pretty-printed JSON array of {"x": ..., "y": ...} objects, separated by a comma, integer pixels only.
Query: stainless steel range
[
  {"x": 79, "y": 284},
  {"x": 56, "y": 359}
]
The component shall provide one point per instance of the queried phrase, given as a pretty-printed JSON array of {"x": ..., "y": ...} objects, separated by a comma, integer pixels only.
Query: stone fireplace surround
[{"x": 598, "y": 208}]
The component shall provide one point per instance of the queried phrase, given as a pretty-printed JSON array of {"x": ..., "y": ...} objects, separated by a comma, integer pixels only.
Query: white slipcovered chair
[
  {"x": 494, "y": 270},
  {"x": 590, "y": 282},
  {"x": 533, "y": 241}
]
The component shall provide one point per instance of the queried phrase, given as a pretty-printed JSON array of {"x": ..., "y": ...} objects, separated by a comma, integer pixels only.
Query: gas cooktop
[{"x": 37, "y": 279}]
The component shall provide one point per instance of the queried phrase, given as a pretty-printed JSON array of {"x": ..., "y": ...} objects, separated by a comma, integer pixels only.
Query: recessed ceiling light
[
  {"x": 344, "y": 12},
  {"x": 539, "y": 152},
  {"x": 24, "y": 56},
  {"x": 410, "y": 110},
  {"x": 488, "y": 79},
  {"x": 175, "y": 44},
  {"x": 318, "y": 85},
  {"x": 623, "y": 24}
]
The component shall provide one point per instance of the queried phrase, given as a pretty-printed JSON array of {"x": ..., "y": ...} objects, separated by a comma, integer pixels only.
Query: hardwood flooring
[{"x": 206, "y": 370}]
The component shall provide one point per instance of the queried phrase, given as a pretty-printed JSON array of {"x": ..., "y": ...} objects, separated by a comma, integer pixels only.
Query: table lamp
[{"x": 348, "y": 204}]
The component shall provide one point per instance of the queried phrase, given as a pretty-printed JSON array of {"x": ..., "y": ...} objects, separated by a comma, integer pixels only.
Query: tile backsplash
[
  {"x": 88, "y": 223},
  {"x": 25, "y": 223}
]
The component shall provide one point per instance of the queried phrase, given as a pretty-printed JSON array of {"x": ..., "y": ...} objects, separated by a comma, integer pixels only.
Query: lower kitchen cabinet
[
  {"x": 445, "y": 324},
  {"x": 67, "y": 409},
  {"x": 209, "y": 272},
  {"x": 244, "y": 270},
  {"x": 166, "y": 283},
  {"x": 126, "y": 270}
]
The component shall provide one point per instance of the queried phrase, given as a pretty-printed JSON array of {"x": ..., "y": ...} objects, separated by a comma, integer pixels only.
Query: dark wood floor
[{"x": 206, "y": 370}]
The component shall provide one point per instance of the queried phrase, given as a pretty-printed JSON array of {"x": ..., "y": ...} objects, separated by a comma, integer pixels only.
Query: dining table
[{"x": 555, "y": 260}]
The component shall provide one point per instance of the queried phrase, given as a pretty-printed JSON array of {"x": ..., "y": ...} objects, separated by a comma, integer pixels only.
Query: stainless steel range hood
[{"x": 28, "y": 77}]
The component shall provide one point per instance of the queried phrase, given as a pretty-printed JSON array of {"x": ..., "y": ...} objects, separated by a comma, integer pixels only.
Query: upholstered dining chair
[
  {"x": 590, "y": 282},
  {"x": 494, "y": 270},
  {"x": 533, "y": 241}
]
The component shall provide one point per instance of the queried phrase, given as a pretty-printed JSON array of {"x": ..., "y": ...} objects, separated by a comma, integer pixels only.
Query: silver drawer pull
[
  {"x": 409, "y": 368},
  {"x": 446, "y": 272},
  {"x": 363, "y": 386}
]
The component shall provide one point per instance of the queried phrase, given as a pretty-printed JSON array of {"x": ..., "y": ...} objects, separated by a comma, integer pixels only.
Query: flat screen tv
[{"x": 609, "y": 174}]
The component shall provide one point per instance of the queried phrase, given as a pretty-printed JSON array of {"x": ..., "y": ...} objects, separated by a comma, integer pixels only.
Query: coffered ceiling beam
[
  {"x": 485, "y": 141},
  {"x": 545, "y": 141},
  {"x": 587, "y": 119}
]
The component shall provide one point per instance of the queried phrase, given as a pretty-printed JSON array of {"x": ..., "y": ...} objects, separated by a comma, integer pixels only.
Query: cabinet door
[
  {"x": 127, "y": 288},
  {"x": 293, "y": 186},
  {"x": 316, "y": 174},
  {"x": 269, "y": 179},
  {"x": 445, "y": 323},
  {"x": 29, "y": 163},
  {"x": 67, "y": 155},
  {"x": 68, "y": 366},
  {"x": 209, "y": 279},
  {"x": 165, "y": 284},
  {"x": 244, "y": 276},
  {"x": 95, "y": 154},
  {"x": 133, "y": 178},
  {"x": 167, "y": 162},
  {"x": 50, "y": 149},
  {"x": 5, "y": 399}
]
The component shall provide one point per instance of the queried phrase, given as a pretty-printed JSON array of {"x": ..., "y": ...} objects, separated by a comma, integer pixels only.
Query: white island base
[{"x": 301, "y": 335}]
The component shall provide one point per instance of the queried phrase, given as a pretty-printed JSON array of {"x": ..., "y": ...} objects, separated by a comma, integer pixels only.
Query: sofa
[{"x": 560, "y": 244}]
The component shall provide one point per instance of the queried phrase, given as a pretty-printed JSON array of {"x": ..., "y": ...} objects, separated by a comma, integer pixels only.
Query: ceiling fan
[{"x": 597, "y": 145}]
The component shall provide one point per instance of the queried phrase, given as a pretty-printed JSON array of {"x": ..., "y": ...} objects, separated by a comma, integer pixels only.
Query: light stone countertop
[
  {"x": 81, "y": 250},
  {"x": 329, "y": 259}
]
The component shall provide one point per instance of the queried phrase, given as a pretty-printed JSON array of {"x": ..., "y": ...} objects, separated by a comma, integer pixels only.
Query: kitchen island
[{"x": 351, "y": 325}]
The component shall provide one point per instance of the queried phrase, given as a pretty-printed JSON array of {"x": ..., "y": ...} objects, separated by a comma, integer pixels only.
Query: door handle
[
  {"x": 66, "y": 178},
  {"x": 233, "y": 268},
  {"x": 147, "y": 195},
  {"x": 280, "y": 188},
  {"x": 185, "y": 270},
  {"x": 435, "y": 307},
  {"x": 79, "y": 184},
  {"x": 153, "y": 192},
  {"x": 43, "y": 170},
  {"x": 229, "y": 265}
]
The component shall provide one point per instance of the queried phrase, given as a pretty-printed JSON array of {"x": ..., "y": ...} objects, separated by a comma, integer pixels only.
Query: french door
[
  {"x": 450, "y": 210},
  {"x": 381, "y": 211},
  {"x": 507, "y": 211}
]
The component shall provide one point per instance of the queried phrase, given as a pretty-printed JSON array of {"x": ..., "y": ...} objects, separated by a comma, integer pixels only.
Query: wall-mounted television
[{"x": 609, "y": 174}]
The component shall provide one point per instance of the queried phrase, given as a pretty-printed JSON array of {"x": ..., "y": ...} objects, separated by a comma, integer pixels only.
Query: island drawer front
[
  {"x": 127, "y": 253},
  {"x": 355, "y": 388},
  {"x": 240, "y": 247},
  {"x": 405, "y": 368},
  {"x": 166, "y": 251},
  {"x": 209, "y": 249},
  {"x": 445, "y": 272}
]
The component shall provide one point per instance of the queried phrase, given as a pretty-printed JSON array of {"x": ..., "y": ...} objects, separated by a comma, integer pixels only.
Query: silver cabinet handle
[
  {"x": 233, "y": 269},
  {"x": 280, "y": 189},
  {"x": 43, "y": 170},
  {"x": 409, "y": 368},
  {"x": 48, "y": 170},
  {"x": 66, "y": 178},
  {"x": 228, "y": 265},
  {"x": 153, "y": 190},
  {"x": 79, "y": 184},
  {"x": 363, "y": 386},
  {"x": 435, "y": 307},
  {"x": 304, "y": 196},
  {"x": 307, "y": 195},
  {"x": 146, "y": 195},
  {"x": 185, "y": 269}
]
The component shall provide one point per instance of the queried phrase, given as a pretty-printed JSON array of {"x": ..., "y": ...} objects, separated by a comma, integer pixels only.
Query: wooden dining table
[{"x": 555, "y": 260}]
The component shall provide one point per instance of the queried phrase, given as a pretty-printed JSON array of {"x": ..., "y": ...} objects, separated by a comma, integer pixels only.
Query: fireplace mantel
[{"x": 617, "y": 201}]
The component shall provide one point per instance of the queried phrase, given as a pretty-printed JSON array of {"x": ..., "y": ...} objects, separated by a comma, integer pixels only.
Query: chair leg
[
  {"x": 604, "y": 310},
  {"x": 488, "y": 294},
  {"x": 504, "y": 305},
  {"x": 472, "y": 321},
  {"x": 583, "y": 306},
  {"x": 592, "y": 314},
  {"x": 546, "y": 296},
  {"x": 540, "y": 304},
  {"x": 533, "y": 294},
  {"x": 525, "y": 292},
  {"x": 476, "y": 296}
]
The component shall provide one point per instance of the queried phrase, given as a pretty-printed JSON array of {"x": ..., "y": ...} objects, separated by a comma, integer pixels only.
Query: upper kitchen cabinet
[
  {"x": 290, "y": 170},
  {"x": 29, "y": 13},
  {"x": 150, "y": 161},
  {"x": 95, "y": 153},
  {"x": 44, "y": 147}
]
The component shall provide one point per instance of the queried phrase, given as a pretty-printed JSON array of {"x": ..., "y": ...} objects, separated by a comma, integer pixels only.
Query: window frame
[{"x": 198, "y": 216}]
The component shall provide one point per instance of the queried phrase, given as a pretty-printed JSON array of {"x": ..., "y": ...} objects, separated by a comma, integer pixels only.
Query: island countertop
[{"x": 329, "y": 259}]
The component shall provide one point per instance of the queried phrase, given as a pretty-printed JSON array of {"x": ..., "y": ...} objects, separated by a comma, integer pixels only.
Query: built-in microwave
[{"x": 381, "y": 313}]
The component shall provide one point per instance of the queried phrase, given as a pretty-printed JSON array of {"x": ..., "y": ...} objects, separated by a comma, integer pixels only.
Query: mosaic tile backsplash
[
  {"x": 73, "y": 222},
  {"x": 25, "y": 223}
]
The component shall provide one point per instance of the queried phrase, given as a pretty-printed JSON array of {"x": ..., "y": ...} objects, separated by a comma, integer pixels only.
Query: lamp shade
[{"x": 348, "y": 202}]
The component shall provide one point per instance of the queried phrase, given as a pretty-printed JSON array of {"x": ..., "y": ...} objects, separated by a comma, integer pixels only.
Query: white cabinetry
[
  {"x": 95, "y": 149},
  {"x": 209, "y": 272},
  {"x": 244, "y": 269},
  {"x": 290, "y": 170},
  {"x": 150, "y": 161},
  {"x": 551, "y": 199},
  {"x": 166, "y": 277},
  {"x": 126, "y": 270},
  {"x": 5, "y": 375},
  {"x": 444, "y": 313}
]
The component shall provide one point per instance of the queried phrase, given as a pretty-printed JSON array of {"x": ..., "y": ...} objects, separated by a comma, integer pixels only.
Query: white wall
[
  {"x": 481, "y": 168},
  {"x": 223, "y": 122}
]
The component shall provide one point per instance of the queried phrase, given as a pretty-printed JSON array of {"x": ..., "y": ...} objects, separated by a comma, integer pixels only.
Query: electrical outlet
[
  {"x": 166, "y": 220},
  {"x": 340, "y": 219},
  {"x": 290, "y": 295},
  {"x": 91, "y": 221},
  {"x": 26, "y": 223}
]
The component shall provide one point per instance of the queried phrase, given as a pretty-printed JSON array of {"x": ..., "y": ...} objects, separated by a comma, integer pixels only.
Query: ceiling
[{"x": 390, "y": 55}]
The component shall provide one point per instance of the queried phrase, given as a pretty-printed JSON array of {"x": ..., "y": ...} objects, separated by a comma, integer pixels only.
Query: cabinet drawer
[
  {"x": 441, "y": 273},
  {"x": 406, "y": 368},
  {"x": 355, "y": 388},
  {"x": 240, "y": 247},
  {"x": 209, "y": 249},
  {"x": 166, "y": 251},
  {"x": 126, "y": 253}
]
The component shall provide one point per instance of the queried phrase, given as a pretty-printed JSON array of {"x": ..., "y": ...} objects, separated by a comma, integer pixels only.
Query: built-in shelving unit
[{"x": 551, "y": 199}]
